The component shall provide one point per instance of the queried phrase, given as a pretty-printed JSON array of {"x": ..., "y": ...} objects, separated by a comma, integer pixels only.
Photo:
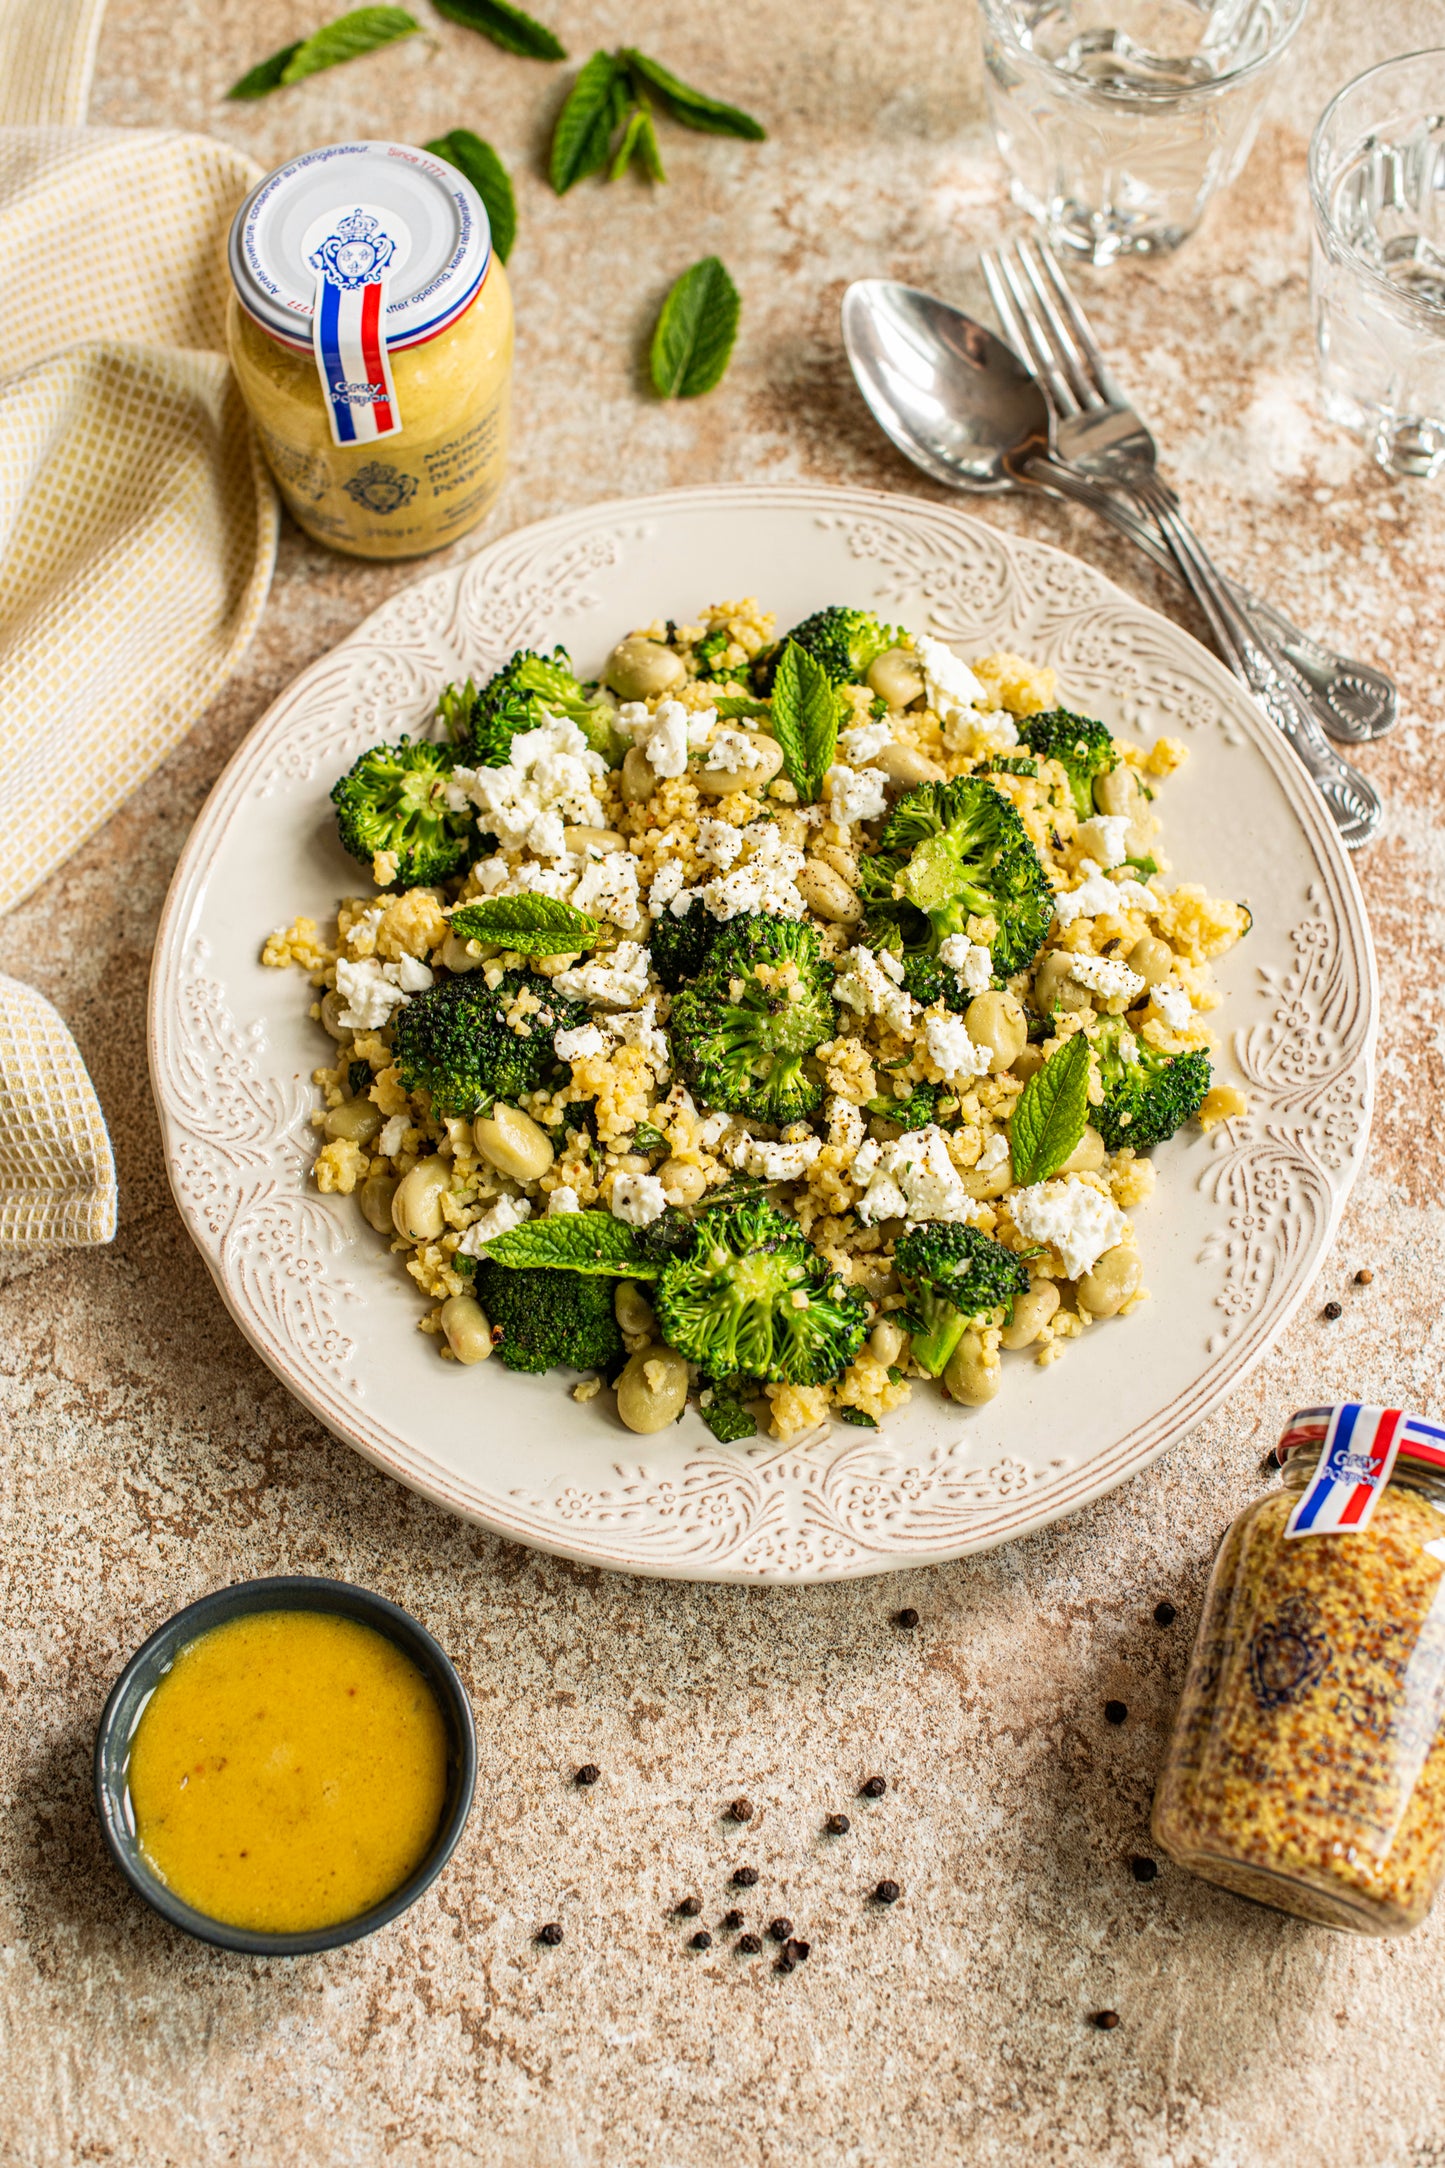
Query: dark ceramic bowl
[{"x": 141, "y": 1676}]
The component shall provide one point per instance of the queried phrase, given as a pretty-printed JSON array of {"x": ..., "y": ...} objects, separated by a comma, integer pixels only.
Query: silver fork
[{"x": 1099, "y": 435}]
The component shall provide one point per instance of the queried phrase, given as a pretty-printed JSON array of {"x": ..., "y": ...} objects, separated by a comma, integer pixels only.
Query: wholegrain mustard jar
[
  {"x": 371, "y": 333},
  {"x": 1307, "y": 1764}
]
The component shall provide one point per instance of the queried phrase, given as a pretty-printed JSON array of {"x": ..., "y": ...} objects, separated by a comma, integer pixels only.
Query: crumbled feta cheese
[
  {"x": 775, "y": 1162},
  {"x": 506, "y": 1213},
  {"x": 547, "y": 836},
  {"x": 864, "y": 742},
  {"x": 765, "y": 883},
  {"x": 369, "y": 992},
  {"x": 666, "y": 742},
  {"x": 639, "y": 1027},
  {"x": 1104, "y": 838},
  {"x": 912, "y": 1178},
  {"x": 719, "y": 842},
  {"x": 563, "y": 1199},
  {"x": 892, "y": 963},
  {"x": 608, "y": 886},
  {"x": 1175, "y": 1006},
  {"x": 412, "y": 975},
  {"x": 683, "y": 902},
  {"x": 389, "y": 1141},
  {"x": 1073, "y": 1217},
  {"x": 866, "y": 1158},
  {"x": 700, "y": 726},
  {"x": 616, "y": 980},
  {"x": 633, "y": 716},
  {"x": 1107, "y": 976},
  {"x": 856, "y": 795},
  {"x": 970, "y": 964},
  {"x": 669, "y": 880},
  {"x": 1096, "y": 893},
  {"x": 951, "y": 686},
  {"x": 549, "y": 770},
  {"x": 845, "y": 1125},
  {"x": 734, "y": 751},
  {"x": 582, "y": 1044},
  {"x": 869, "y": 989},
  {"x": 637, "y": 1199},
  {"x": 995, "y": 732},
  {"x": 709, "y": 1130},
  {"x": 995, "y": 1154},
  {"x": 882, "y": 1200},
  {"x": 490, "y": 874},
  {"x": 949, "y": 1044}
]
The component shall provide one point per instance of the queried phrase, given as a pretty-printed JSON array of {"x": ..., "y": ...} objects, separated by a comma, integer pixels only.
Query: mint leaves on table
[
  {"x": 508, "y": 26},
  {"x": 804, "y": 719},
  {"x": 693, "y": 342},
  {"x": 575, "y": 1242},
  {"x": 490, "y": 178},
  {"x": 533, "y": 925},
  {"x": 1052, "y": 1113},
  {"x": 362, "y": 31},
  {"x": 615, "y": 92}
]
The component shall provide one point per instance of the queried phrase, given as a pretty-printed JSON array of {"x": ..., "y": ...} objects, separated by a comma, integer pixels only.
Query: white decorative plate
[{"x": 1232, "y": 1239}]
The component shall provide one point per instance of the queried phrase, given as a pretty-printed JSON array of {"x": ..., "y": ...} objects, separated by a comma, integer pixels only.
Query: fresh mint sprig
[
  {"x": 533, "y": 925},
  {"x": 362, "y": 31},
  {"x": 607, "y": 119},
  {"x": 804, "y": 719},
  {"x": 592, "y": 1242},
  {"x": 1052, "y": 1113}
]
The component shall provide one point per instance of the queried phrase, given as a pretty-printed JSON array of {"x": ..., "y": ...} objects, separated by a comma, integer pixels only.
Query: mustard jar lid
[{"x": 354, "y": 252}]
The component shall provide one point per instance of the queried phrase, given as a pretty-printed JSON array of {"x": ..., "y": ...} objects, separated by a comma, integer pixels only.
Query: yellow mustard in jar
[
  {"x": 371, "y": 334},
  {"x": 1307, "y": 1763}
]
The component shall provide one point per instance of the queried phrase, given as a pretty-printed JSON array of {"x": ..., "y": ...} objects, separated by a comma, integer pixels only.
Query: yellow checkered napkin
[{"x": 137, "y": 527}]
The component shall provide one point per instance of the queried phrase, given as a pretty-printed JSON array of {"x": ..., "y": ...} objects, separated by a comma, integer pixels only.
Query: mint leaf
[
  {"x": 582, "y": 137},
  {"x": 730, "y": 705},
  {"x": 693, "y": 342},
  {"x": 575, "y": 1242},
  {"x": 631, "y": 138},
  {"x": 693, "y": 108},
  {"x": 535, "y": 925},
  {"x": 857, "y": 1418},
  {"x": 648, "y": 151},
  {"x": 362, "y": 31},
  {"x": 805, "y": 719},
  {"x": 507, "y": 26},
  {"x": 1052, "y": 1113},
  {"x": 492, "y": 182}
]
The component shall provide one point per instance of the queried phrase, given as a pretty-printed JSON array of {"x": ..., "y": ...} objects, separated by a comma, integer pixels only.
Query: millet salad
[{"x": 780, "y": 1023}]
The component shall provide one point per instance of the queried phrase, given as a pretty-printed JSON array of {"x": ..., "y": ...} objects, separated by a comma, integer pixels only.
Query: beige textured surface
[{"x": 149, "y": 1456}]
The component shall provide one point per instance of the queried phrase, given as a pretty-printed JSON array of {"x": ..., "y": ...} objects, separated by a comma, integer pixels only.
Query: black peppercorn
[
  {"x": 780, "y": 1929},
  {"x": 907, "y": 1617},
  {"x": 837, "y": 1825},
  {"x": 874, "y": 1788},
  {"x": 551, "y": 1934},
  {"x": 745, "y": 1877},
  {"x": 588, "y": 1773},
  {"x": 1332, "y": 1311},
  {"x": 749, "y": 1945},
  {"x": 783, "y": 1963},
  {"x": 732, "y": 1921},
  {"x": 1143, "y": 1870},
  {"x": 741, "y": 1810},
  {"x": 797, "y": 1951},
  {"x": 702, "y": 1940},
  {"x": 690, "y": 1907},
  {"x": 1106, "y": 2020},
  {"x": 1115, "y": 1711},
  {"x": 887, "y": 1893},
  {"x": 1164, "y": 1614}
]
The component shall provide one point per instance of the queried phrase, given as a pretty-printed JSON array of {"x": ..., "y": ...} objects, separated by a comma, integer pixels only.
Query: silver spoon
[{"x": 957, "y": 401}]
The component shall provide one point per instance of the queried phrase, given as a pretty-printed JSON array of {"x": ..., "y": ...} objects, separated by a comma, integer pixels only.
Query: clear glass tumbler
[
  {"x": 1377, "y": 269},
  {"x": 1118, "y": 119}
]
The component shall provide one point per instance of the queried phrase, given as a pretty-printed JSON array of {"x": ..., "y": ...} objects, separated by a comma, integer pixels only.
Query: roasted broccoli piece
[
  {"x": 680, "y": 946},
  {"x": 394, "y": 798},
  {"x": 754, "y": 1298},
  {"x": 524, "y": 692},
  {"x": 726, "y": 1411},
  {"x": 1082, "y": 747},
  {"x": 1147, "y": 1095},
  {"x": 741, "y": 1043},
  {"x": 914, "y": 1112},
  {"x": 951, "y": 852},
  {"x": 844, "y": 641},
  {"x": 454, "y": 1040},
  {"x": 543, "y": 1319},
  {"x": 709, "y": 651},
  {"x": 953, "y": 1277}
]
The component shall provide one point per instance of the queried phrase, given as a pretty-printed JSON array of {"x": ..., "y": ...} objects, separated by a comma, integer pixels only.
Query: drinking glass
[
  {"x": 1377, "y": 266},
  {"x": 1118, "y": 119}
]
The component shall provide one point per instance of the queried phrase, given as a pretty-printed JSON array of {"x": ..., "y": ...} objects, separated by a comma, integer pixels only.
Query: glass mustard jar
[
  {"x": 1307, "y": 1765},
  {"x": 371, "y": 333}
]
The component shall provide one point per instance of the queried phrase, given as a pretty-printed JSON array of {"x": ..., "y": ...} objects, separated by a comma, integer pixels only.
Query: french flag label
[
  {"x": 1359, "y": 1452},
  {"x": 352, "y": 265}
]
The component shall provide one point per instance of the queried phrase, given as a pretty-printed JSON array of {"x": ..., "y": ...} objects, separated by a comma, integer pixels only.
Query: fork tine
[
  {"x": 1079, "y": 325},
  {"x": 1011, "y": 298},
  {"x": 1067, "y": 355}
]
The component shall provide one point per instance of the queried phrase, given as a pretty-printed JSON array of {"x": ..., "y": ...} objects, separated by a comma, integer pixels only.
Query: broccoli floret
[
  {"x": 524, "y": 692},
  {"x": 394, "y": 798},
  {"x": 1147, "y": 1095},
  {"x": 455, "y": 1042},
  {"x": 681, "y": 946},
  {"x": 953, "y": 1277},
  {"x": 754, "y": 1298},
  {"x": 709, "y": 651},
  {"x": 542, "y": 1319},
  {"x": 1082, "y": 747},
  {"x": 741, "y": 1044},
  {"x": 914, "y": 1112},
  {"x": 727, "y": 1413},
  {"x": 844, "y": 641},
  {"x": 951, "y": 852}
]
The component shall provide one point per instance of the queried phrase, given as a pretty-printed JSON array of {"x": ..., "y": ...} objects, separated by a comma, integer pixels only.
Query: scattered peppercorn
[
  {"x": 1115, "y": 1711},
  {"x": 1164, "y": 1614},
  {"x": 1332, "y": 1311},
  {"x": 874, "y": 1788},
  {"x": 780, "y": 1929},
  {"x": 907, "y": 1618},
  {"x": 749, "y": 1945},
  {"x": 551, "y": 1934},
  {"x": 783, "y": 1963},
  {"x": 745, "y": 1877},
  {"x": 732, "y": 1921},
  {"x": 1106, "y": 2020},
  {"x": 837, "y": 1825},
  {"x": 702, "y": 1940},
  {"x": 887, "y": 1892},
  {"x": 1364, "y": 1276},
  {"x": 690, "y": 1907},
  {"x": 797, "y": 1951},
  {"x": 1143, "y": 1870},
  {"x": 588, "y": 1773},
  {"x": 741, "y": 1810}
]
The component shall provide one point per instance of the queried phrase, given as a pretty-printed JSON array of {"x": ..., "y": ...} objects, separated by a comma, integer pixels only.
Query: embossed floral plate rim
[{"x": 1253, "y": 1207}]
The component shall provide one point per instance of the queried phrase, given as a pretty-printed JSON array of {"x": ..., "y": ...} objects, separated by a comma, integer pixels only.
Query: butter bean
[
  {"x": 904, "y": 765},
  {"x": 456, "y": 955},
  {"x": 469, "y": 1336},
  {"x": 638, "y": 667},
  {"x": 513, "y": 1143},
  {"x": 828, "y": 894},
  {"x": 652, "y": 1390},
  {"x": 885, "y": 1342},
  {"x": 1055, "y": 987},
  {"x": 633, "y": 1311},
  {"x": 1032, "y": 1312},
  {"x": 1119, "y": 790},
  {"x": 416, "y": 1209},
  {"x": 331, "y": 1008},
  {"x": 639, "y": 777},
  {"x": 583, "y": 840},
  {"x": 996, "y": 1021},
  {"x": 722, "y": 782},
  {"x": 375, "y": 1197},
  {"x": 896, "y": 675},
  {"x": 1088, "y": 1154},
  {"x": 682, "y": 1183},
  {"x": 983, "y": 1187},
  {"x": 1118, "y": 1274},
  {"x": 357, "y": 1120},
  {"x": 1152, "y": 959},
  {"x": 968, "y": 1377},
  {"x": 1028, "y": 1062}
]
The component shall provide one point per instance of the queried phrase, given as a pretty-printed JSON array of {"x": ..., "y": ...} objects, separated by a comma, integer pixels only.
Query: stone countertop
[{"x": 150, "y": 1456}]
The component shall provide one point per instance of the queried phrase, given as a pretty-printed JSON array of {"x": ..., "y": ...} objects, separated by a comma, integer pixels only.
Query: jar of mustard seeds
[
  {"x": 1307, "y": 1765},
  {"x": 371, "y": 333}
]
